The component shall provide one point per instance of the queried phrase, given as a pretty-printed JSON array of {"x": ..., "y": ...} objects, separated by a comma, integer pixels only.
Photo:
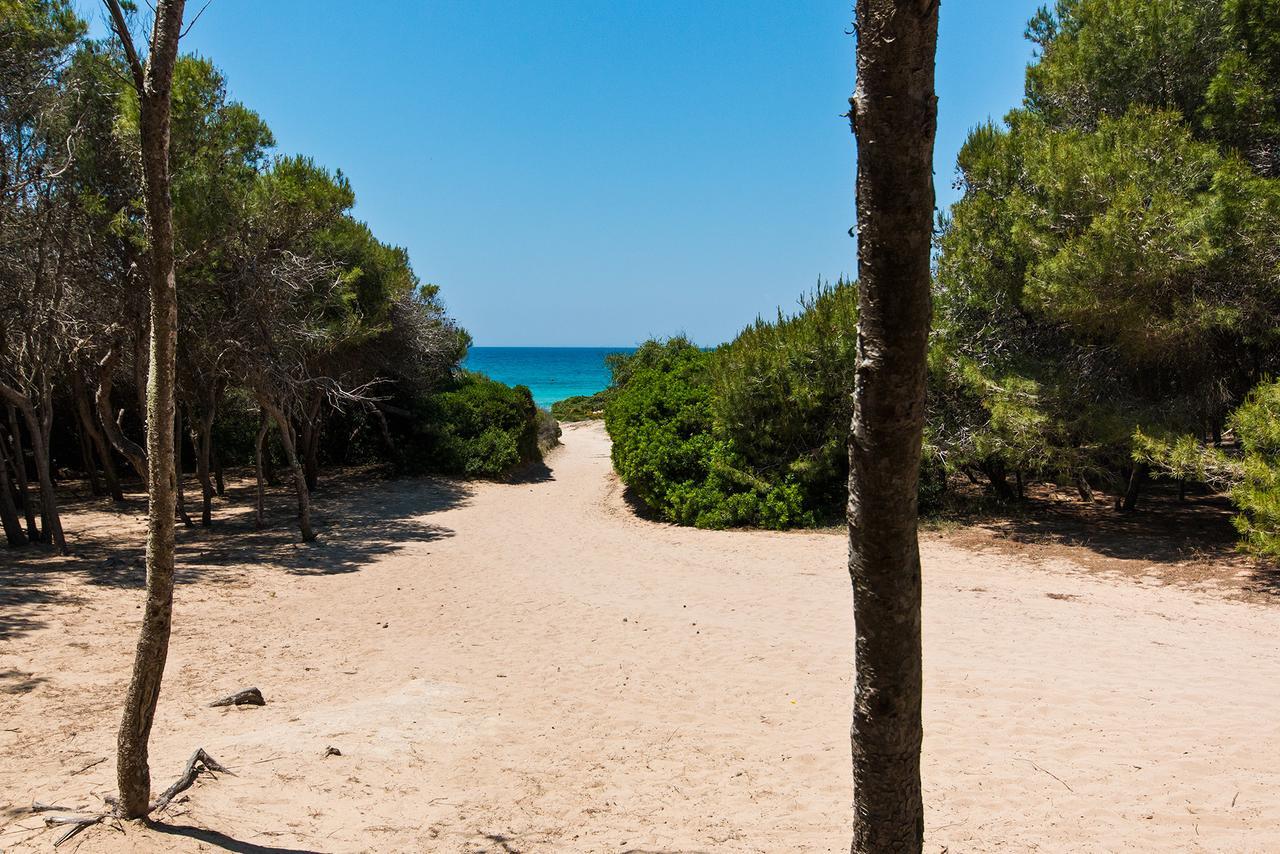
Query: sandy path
[{"x": 530, "y": 668}]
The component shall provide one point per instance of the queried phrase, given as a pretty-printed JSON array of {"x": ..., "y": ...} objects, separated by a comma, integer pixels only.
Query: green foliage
[
  {"x": 475, "y": 427},
  {"x": 1257, "y": 494},
  {"x": 581, "y": 407},
  {"x": 1108, "y": 286},
  {"x": 753, "y": 433}
]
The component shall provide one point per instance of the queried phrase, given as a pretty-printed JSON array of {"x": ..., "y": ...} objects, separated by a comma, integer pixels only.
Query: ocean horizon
[{"x": 551, "y": 373}]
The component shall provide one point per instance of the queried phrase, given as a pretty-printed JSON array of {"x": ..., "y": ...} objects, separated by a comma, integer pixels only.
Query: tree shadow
[
  {"x": 358, "y": 518},
  {"x": 535, "y": 472},
  {"x": 1175, "y": 534},
  {"x": 222, "y": 840}
]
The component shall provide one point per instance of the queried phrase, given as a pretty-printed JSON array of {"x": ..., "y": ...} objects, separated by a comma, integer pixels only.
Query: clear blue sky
[{"x": 596, "y": 172}]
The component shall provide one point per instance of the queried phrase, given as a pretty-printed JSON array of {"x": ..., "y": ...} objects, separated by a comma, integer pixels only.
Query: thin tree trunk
[
  {"x": 259, "y": 499},
  {"x": 20, "y": 474},
  {"x": 295, "y": 467},
  {"x": 181, "y": 498},
  {"x": 153, "y": 81},
  {"x": 219, "y": 485},
  {"x": 136, "y": 456},
  {"x": 894, "y": 116},
  {"x": 1137, "y": 478},
  {"x": 90, "y": 428},
  {"x": 310, "y": 442},
  {"x": 88, "y": 463},
  {"x": 201, "y": 442},
  {"x": 36, "y": 430},
  {"x": 1084, "y": 489},
  {"x": 8, "y": 509}
]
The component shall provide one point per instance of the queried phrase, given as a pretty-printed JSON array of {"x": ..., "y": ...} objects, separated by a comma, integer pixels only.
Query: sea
[{"x": 551, "y": 373}]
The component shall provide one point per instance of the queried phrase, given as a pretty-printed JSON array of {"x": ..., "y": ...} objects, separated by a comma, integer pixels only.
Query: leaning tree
[{"x": 152, "y": 82}]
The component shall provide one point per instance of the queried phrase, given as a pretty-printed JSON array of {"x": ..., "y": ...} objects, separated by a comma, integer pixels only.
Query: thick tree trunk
[
  {"x": 90, "y": 428},
  {"x": 263, "y": 424},
  {"x": 133, "y": 773},
  {"x": 13, "y": 532},
  {"x": 893, "y": 113},
  {"x": 20, "y": 475}
]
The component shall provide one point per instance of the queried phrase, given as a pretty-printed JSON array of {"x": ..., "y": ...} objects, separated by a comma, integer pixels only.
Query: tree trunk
[
  {"x": 1137, "y": 477},
  {"x": 136, "y": 456},
  {"x": 90, "y": 428},
  {"x": 1084, "y": 489},
  {"x": 88, "y": 463},
  {"x": 263, "y": 424},
  {"x": 201, "y": 442},
  {"x": 219, "y": 485},
  {"x": 20, "y": 475},
  {"x": 36, "y": 430},
  {"x": 295, "y": 467},
  {"x": 894, "y": 114},
  {"x": 180, "y": 499},
  {"x": 153, "y": 82},
  {"x": 13, "y": 532},
  {"x": 310, "y": 442}
]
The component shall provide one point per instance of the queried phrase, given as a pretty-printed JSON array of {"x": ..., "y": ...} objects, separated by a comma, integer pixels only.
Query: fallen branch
[
  {"x": 247, "y": 697},
  {"x": 36, "y": 806},
  {"x": 78, "y": 823}
]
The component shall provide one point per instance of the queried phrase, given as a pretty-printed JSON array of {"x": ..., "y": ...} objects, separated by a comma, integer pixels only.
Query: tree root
[
  {"x": 247, "y": 697},
  {"x": 199, "y": 761}
]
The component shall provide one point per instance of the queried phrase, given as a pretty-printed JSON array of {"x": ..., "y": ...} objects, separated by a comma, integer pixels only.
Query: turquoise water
[{"x": 551, "y": 373}]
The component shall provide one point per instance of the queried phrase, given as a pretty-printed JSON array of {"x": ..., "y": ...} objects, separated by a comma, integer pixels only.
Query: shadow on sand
[
  {"x": 222, "y": 841},
  {"x": 358, "y": 519},
  {"x": 1164, "y": 530}
]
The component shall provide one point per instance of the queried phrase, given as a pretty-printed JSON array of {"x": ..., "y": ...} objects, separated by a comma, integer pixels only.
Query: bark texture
[
  {"x": 153, "y": 82},
  {"x": 893, "y": 114}
]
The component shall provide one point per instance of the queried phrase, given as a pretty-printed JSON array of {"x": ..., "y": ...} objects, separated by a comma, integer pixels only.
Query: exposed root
[
  {"x": 199, "y": 761},
  {"x": 247, "y": 697},
  {"x": 77, "y": 824}
]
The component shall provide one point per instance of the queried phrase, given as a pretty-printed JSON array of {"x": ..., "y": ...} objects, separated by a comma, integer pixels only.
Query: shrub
[
  {"x": 582, "y": 407},
  {"x": 1257, "y": 493},
  {"x": 476, "y": 427},
  {"x": 753, "y": 433}
]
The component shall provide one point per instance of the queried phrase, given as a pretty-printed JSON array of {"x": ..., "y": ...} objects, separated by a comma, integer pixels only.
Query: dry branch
[{"x": 247, "y": 697}]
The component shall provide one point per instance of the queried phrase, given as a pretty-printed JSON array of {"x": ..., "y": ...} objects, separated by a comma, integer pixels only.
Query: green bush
[
  {"x": 583, "y": 407},
  {"x": 753, "y": 433},
  {"x": 666, "y": 450},
  {"x": 1257, "y": 494},
  {"x": 475, "y": 427}
]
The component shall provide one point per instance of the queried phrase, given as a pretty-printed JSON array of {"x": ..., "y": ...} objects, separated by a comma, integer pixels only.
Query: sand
[{"x": 530, "y": 667}]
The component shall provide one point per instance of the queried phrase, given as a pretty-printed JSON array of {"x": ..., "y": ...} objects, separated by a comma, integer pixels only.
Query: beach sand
[{"x": 530, "y": 667}]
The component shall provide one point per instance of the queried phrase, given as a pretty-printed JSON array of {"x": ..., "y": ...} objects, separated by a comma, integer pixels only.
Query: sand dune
[{"x": 531, "y": 668}]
